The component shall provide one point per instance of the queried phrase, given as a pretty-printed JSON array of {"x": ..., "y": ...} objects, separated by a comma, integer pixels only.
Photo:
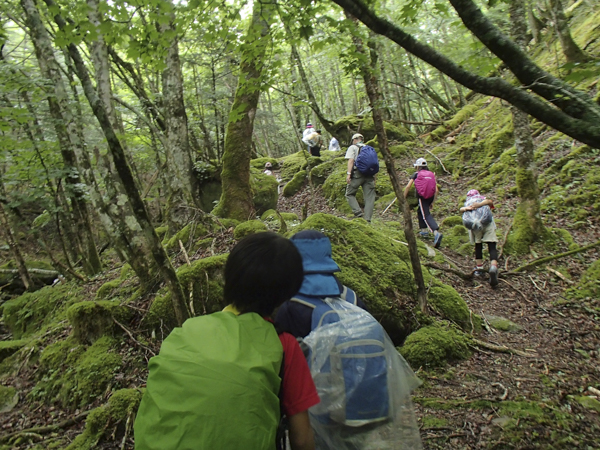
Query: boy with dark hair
[
  {"x": 426, "y": 190},
  {"x": 223, "y": 380}
]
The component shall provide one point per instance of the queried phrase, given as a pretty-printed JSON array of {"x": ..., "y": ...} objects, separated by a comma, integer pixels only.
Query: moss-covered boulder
[
  {"x": 435, "y": 345},
  {"x": 457, "y": 238},
  {"x": 202, "y": 282},
  {"x": 113, "y": 286},
  {"x": 319, "y": 174},
  {"x": 259, "y": 163},
  {"x": 451, "y": 306},
  {"x": 191, "y": 232},
  {"x": 7, "y": 348},
  {"x": 110, "y": 421},
  {"x": 31, "y": 312},
  {"x": 377, "y": 266},
  {"x": 588, "y": 285},
  {"x": 347, "y": 126},
  {"x": 295, "y": 184},
  {"x": 264, "y": 192},
  {"x": 93, "y": 319},
  {"x": 250, "y": 227},
  {"x": 503, "y": 324},
  {"x": 9, "y": 397},
  {"x": 272, "y": 215},
  {"x": 293, "y": 164}
]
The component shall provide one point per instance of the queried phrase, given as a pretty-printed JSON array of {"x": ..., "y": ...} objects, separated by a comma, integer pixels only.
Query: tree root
[
  {"x": 503, "y": 349},
  {"x": 46, "y": 429}
]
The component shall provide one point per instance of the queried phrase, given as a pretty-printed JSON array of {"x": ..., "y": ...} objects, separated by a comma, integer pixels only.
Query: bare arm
[
  {"x": 407, "y": 188},
  {"x": 349, "y": 171},
  {"x": 301, "y": 433},
  {"x": 486, "y": 202}
]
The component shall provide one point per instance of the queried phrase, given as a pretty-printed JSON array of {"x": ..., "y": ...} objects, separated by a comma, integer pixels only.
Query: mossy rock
[
  {"x": 259, "y": 163},
  {"x": 77, "y": 375},
  {"x": 250, "y": 227},
  {"x": 378, "y": 268},
  {"x": 435, "y": 345},
  {"x": 452, "y": 221},
  {"x": 271, "y": 215},
  {"x": 93, "y": 319},
  {"x": 8, "y": 348},
  {"x": 451, "y": 306},
  {"x": 399, "y": 151},
  {"x": 109, "y": 421},
  {"x": 264, "y": 192},
  {"x": 191, "y": 231},
  {"x": 588, "y": 285},
  {"x": 295, "y": 184},
  {"x": 588, "y": 402},
  {"x": 293, "y": 164},
  {"x": 345, "y": 127},
  {"x": 456, "y": 238},
  {"x": 503, "y": 324},
  {"x": 319, "y": 174},
  {"x": 204, "y": 279},
  {"x": 30, "y": 312},
  {"x": 9, "y": 397}
]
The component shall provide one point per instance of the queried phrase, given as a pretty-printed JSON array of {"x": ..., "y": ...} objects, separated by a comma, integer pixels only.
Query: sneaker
[
  {"x": 437, "y": 240},
  {"x": 478, "y": 271},
  {"x": 494, "y": 276},
  {"x": 360, "y": 214},
  {"x": 424, "y": 234}
]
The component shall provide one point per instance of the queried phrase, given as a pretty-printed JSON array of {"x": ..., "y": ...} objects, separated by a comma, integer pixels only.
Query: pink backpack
[{"x": 425, "y": 183}]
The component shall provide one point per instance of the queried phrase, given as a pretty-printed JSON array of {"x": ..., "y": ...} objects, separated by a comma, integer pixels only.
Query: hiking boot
[
  {"x": 437, "y": 240},
  {"x": 478, "y": 271},
  {"x": 360, "y": 214},
  {"x": 494, "y": 276}
]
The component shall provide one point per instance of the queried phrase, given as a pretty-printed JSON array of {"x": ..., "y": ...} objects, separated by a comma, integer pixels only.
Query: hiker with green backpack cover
[{"x": 223, "y": 380}]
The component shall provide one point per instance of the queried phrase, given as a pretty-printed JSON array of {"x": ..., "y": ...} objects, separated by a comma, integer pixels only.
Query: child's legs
[
  {"x": 493, "y": 252},
  {"x": 428, "y": 219}
]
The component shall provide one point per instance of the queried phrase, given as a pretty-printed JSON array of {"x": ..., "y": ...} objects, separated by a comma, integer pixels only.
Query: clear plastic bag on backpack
[
  {"x": 364, "y": 384},
  {"x": 476, "y": 219}
]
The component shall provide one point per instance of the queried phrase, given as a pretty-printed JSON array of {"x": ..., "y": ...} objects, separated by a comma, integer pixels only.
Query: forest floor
[
  {"x": 499, "y": 399},
  {"x": 495, "y": 399}
]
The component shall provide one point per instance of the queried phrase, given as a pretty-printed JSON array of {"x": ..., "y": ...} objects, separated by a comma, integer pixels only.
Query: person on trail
[
  {"x": 426, "y": 189},
  {"x": 315, "y": 150},
  {"x": 309, "y": 136},
  {"x": 334, "y": 145},
  {"x": 479, "y": 220},
  {"x": 363, "y": 382},
  {"x": 355, "y": 179},
  {"x": 268, "y": 167},
  {"x": 226, "y": 380}
]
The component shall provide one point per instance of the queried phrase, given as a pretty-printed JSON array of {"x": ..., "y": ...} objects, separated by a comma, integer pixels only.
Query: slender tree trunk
[
  {"x": 528, "y": 223},
  {"x": 370, "y": 76},
  {"x": 14, "y": 249},
  {"x": 59, "y": 109},
  {"x": 182, "y": 182},
  {"x": 236, "y": 197},
  {"x": 570, "y": 49},
  {"x": 140, "y": 219}
]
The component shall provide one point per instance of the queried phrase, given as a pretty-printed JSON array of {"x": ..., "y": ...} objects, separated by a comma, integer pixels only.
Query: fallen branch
[
  {"x": 45, "y": 429},
  {"x": 503, "y": 349},
  {"x": 546, "y": 259},
  {"x": 464, "y": 276},
  {"x": 389, "y": 206},
  {"x": 505, "y": 394},
  {"x": 132, "y": 338},
  {"x": 559, "y": 275},
  {"x": 439, "y": 160},
  {"x": 514, "y": 288}
]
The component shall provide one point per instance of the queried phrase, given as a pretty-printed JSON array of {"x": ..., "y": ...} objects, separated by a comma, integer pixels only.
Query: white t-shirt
[{"x": 352, "y": 151}]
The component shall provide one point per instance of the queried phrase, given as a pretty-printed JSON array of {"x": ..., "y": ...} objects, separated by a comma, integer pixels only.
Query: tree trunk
[
  {"x": 59, "y": 109},
  {"x": 14, "y": 249},
  {"x": 370, "y": 77},
  {"x": 528, "y": 223},
  {"x": 236, "y": 197},
  {"x": 182, "y": 182},
  {"x": 571, "y": 50},
  {"x": 140, "y": 221}
]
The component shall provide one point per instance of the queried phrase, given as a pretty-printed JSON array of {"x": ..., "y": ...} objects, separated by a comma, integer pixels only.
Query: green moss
[
  {"x": 249, "y": 227},
  {"x": 435, "y": 345},
  {"x": 588, "y": 402},
  {"x": 92, "y": 320},
  {"x": 462, "y": 115},
  {"x": 7, "y": 348},
  {"x": 8, "y": 398},
  {"x": 457, "y": 238},
  {"x": 452, "y": 221},
  {"x": 161, "y": 232},
  {"x": 503, "y": 324},
  {"x": 271, "y": 215},
  {"x": 295, "y": 184},
  {"x": 399, "y": 151},
  {"x": 293, "y": 164},
  {"x": 30, "y": 312},
  {"x": 264, "y": 192},
  {"x": 433, "y": 422},
  {"x": 319, "y": 174},
  {"x": 346, "y": 126},
  {"x": 191, "y": 231},
  {"x": 445, "y": 299},
  {"x": 588, "y": 285},
  {"x": 259, "y": 163},
  {"x": 521, "y": 235},
  {"x": 110, "y": 420}
]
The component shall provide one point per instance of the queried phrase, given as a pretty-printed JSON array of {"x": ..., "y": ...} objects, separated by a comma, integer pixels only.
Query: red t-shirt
[{"x": 299, "y": 392}]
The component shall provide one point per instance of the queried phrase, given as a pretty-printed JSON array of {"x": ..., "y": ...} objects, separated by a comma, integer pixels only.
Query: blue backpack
[
  {"x": 348, "y": 361},
  {"x": 366, "y": 161}
]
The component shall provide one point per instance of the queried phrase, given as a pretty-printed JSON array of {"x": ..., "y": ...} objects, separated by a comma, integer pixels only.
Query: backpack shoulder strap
[
  {"x": 349, "y": 295},
  {"x": 305, "y": 301}
]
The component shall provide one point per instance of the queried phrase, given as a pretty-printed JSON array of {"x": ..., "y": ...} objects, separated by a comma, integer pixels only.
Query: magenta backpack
[{"x": 425, "y": 184}]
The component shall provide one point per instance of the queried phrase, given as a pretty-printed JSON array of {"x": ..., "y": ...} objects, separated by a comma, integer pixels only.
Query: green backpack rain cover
[{"x": 213, "y": 386}]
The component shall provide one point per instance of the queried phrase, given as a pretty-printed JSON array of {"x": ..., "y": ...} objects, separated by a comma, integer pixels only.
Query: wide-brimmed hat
[
  {"x": 318, "y": 265},
  {"x": 357, "y": 135}
]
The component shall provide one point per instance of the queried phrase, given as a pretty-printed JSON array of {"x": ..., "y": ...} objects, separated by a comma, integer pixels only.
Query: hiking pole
[{"x": 389, "y": 206}]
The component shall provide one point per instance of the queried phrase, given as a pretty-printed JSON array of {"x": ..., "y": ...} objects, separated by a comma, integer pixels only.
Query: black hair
[
  {"x": 262, "y": 271},
  {"x": 319, "y": 131}
]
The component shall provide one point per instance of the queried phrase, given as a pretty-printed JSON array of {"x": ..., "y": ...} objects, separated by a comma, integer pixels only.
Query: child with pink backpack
[{"x": 426, "y": 189}]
